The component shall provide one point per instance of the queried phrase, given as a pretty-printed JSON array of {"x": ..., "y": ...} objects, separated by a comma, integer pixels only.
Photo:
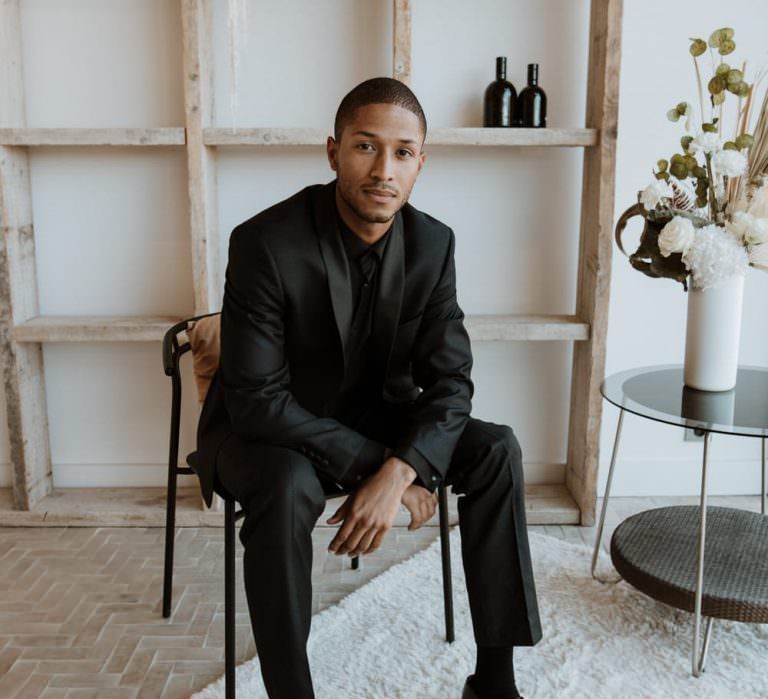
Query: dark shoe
[{"x": 471, "y": 693}]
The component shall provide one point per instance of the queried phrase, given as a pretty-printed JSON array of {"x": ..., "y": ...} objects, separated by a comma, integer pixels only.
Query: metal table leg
[
  {"x": 698, "y": 660},
  {"x": 763, "y": 479},
  {"x": 599, "y": 535}
]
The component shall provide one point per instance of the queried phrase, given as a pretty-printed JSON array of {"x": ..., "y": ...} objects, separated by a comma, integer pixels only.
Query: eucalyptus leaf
[
  {"x": 697, "y": 47},
  {"x": 717, "y": 37},
  {"x": 716, "y": 85}
]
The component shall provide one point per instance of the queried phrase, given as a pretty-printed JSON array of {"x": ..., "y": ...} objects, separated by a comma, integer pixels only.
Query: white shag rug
[{"x": 386, "y": 639}]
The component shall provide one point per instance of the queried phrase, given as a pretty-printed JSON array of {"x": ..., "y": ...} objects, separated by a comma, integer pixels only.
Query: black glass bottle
[
  {"x": 532, "y": 102},
  {"x": 500, "y": 97}
]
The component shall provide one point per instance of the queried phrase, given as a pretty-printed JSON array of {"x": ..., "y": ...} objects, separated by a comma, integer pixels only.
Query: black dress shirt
[{"x": 365, "y": 375}]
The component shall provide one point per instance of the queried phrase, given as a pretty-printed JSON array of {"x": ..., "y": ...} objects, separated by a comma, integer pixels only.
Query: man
[{"x": 345, "y": 362}]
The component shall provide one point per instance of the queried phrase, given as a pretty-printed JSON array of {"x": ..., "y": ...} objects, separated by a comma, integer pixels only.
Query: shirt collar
[{"x": 355, "y": 246}]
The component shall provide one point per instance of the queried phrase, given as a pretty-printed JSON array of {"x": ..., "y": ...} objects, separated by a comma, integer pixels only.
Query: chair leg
[
  {"x": 170, "y": 535},
  {"x": 229, "y": 598},
  {"x": 445, "y": 549}
]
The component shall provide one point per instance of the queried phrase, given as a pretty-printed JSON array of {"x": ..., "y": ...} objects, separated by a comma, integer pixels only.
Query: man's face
[{"x": 380, "y": 149}]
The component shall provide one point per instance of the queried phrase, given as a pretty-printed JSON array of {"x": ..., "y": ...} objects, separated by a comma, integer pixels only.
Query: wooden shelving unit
[{"x": 23, "y": 329}]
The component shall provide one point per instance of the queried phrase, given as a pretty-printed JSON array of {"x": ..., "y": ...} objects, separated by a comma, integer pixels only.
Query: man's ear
[{"x": 331, "y": 148}]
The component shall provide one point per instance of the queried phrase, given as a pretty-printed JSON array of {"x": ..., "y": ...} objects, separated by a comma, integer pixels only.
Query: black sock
[{"x": 495, "y": 672}]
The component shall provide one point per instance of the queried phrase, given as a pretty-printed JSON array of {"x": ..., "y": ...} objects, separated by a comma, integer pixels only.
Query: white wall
[{"x": 111, "y": 222}]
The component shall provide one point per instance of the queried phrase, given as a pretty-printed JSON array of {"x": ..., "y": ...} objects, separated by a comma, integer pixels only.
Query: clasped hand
[{"x": 369, "y": 512}]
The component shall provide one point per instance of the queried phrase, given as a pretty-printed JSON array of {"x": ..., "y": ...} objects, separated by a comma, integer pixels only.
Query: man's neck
[{"x": 366, "y": 231}]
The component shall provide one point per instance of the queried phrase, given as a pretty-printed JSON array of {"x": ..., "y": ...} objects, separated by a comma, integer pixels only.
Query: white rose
[
  {"x": 730, "y": 162},
  {"x": 758, "y": 206},
  {"x": 705, "y": 142},
  {"x": 676, "y": 236},
  {"x": 653, "y": 193}
]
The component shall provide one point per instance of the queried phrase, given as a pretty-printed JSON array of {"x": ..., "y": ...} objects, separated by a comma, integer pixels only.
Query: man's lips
[{"x": 378, "y": 194}]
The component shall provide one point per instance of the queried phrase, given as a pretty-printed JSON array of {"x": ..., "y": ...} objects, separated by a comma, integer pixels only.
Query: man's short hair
[{"x": 377, "y": 91}]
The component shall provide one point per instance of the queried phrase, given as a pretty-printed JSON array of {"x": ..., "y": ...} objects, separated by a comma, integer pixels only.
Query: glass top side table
[{"x": 658, "y": 393}]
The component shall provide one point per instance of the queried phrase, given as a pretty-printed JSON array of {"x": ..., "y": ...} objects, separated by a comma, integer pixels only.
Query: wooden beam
[
  {"x": 145, "y": 507},
  {"x": 595, "y": 251},
  {"x": 94, "y": 328},
  {"x": 401, "y": 53},
  {"x": 197, "y": 28},
  {"x": 484, "y": 328},
  {"x": 10, "y": 136},
  {"x": 463, "y": 136},
  {"x": 481, "y": 328},
  {"x": 23, "y": 374}
]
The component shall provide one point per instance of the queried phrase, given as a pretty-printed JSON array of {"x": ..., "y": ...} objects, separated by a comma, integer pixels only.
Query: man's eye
[
  {"x": 360, "y": 145},
  {"x": 407, "y": 152}
]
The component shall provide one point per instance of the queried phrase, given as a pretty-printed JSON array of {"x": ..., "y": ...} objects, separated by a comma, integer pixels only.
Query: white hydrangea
[
  {"x": 714, "y": 256},
  {"x": 730, "y": 162},
  {"x": 654, "y": 192},
  {"x": 748, "y": 228},
  {"x": 705, "y": 142},
  {"x": 676, "y": 236}
]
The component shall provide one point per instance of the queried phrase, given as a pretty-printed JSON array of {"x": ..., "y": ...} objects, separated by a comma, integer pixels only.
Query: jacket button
[{"x": 434, "y": 478}]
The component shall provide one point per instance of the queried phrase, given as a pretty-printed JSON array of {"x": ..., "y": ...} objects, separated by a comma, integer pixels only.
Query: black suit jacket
[{"x": 286, "y": 316}]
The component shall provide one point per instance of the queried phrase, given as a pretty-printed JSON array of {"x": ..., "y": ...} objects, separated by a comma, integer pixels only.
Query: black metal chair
[{"x": 173, "y": 350}]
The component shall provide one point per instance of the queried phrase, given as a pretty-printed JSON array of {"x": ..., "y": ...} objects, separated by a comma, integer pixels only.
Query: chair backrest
[{"x": 202, "y": 333}]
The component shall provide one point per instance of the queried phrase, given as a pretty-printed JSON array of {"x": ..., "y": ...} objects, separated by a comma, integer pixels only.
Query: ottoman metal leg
[
  {"x": 599, "y": 534},
  {"x": 698, "y": 660}
]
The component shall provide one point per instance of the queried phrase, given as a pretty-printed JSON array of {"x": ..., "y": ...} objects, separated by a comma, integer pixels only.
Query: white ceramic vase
[{"x": 712, "y": 335}]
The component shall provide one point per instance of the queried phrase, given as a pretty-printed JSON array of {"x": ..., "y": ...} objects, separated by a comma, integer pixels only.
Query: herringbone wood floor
[{"x": 80, "y": 608}]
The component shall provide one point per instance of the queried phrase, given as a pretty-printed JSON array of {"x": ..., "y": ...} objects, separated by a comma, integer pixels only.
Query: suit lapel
[
  {"x": 390, "y": 297},
  {"x": 391, "y": 276},
  {"x": 335, "y": 260}
]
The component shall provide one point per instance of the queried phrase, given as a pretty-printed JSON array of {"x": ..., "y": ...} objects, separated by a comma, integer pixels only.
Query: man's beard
[{"x": 370, "y": 218}]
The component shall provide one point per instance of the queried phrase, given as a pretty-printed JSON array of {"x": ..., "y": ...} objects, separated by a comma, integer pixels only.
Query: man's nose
[{"x": 383, "y": 167}]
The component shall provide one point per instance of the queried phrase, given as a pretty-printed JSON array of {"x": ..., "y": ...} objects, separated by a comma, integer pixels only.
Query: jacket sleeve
[
  {"x": 255, "y": 376},
  {"x": 442, "y": 365}
]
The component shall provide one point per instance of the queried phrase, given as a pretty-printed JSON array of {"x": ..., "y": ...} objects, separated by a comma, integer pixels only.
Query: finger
[
  {"x": 339, "y": 514},
  {"x": 365, "y": 545},
  {"x": 363, "y": 542},
  {"x": 377, "y": 540},
  {"x": 354, "y": 538},
  {"x": 339, "y": 543}
]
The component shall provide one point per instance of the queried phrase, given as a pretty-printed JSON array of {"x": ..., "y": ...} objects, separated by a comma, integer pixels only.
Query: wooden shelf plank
[
  {"x": 214, "y": 136},
  {"x": 145, "y": 507},
  {"x": 94, "y": 328},
  {"x": 481, "y": 328},
  {"x": 155, "y": 136}
]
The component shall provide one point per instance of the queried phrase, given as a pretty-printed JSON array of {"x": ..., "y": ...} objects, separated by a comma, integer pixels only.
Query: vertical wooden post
[
  {"x": 595, "y": 250},
  {"x": 23, "y": 374},
  {"x": 197, "y": 27},
  {"x": 401, "y": 55}
]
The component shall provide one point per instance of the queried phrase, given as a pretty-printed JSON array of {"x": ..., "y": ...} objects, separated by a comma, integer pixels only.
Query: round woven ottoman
[{"x": 656, "y": 551}]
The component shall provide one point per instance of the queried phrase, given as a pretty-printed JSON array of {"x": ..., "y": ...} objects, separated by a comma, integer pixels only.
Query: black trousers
[{"x": 283, "y": 495}]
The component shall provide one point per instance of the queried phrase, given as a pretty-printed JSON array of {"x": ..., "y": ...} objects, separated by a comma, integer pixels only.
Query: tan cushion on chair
[{"x": 204, "y": 340}]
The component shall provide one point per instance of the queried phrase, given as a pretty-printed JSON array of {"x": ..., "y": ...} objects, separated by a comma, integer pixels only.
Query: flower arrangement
[{"x": 706, "y": 209}]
